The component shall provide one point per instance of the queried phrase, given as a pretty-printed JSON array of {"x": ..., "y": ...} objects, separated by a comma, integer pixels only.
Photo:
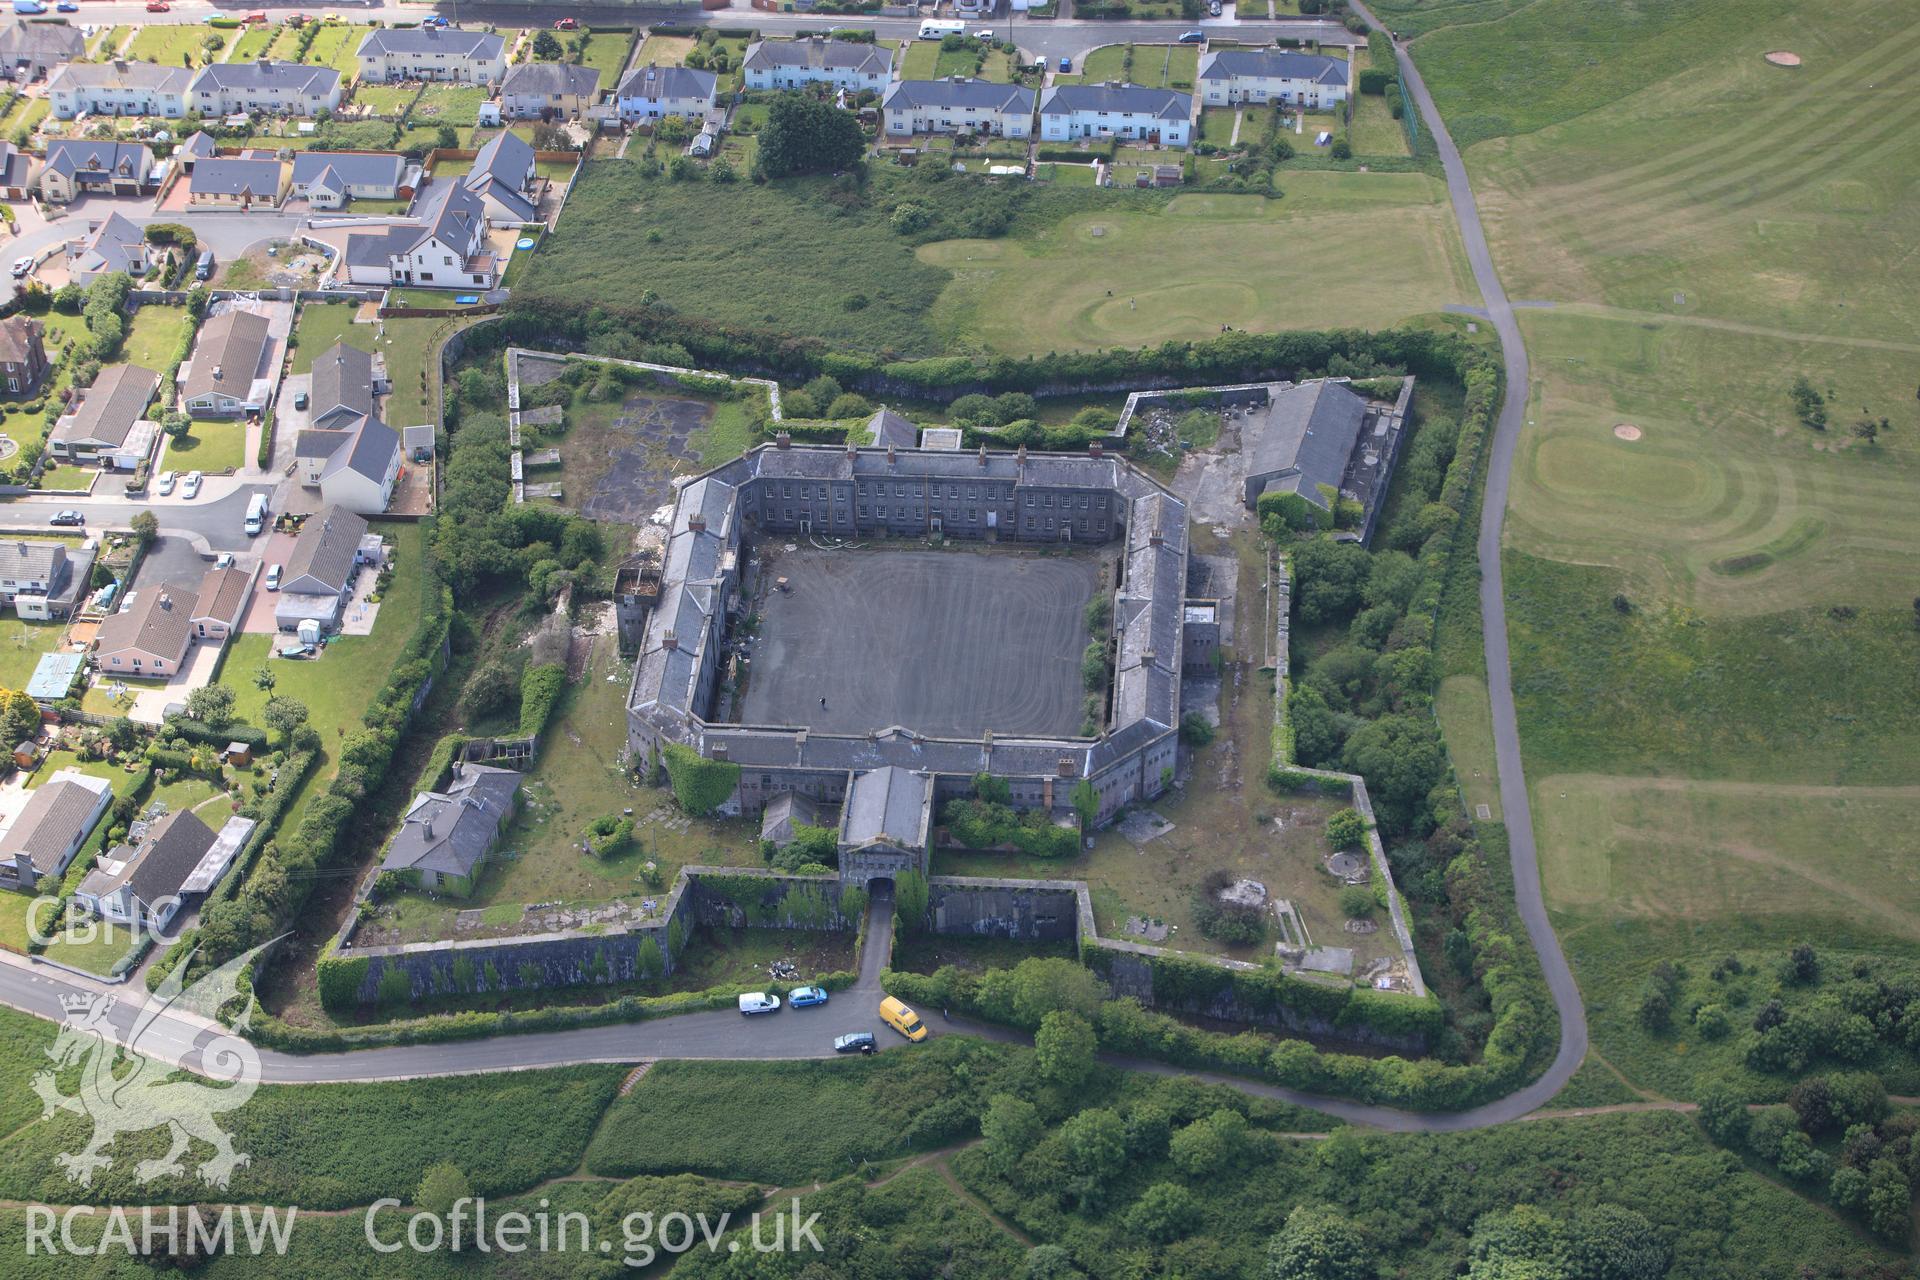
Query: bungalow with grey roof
[
  {"x": 957, "y": 104},
  {"x": 330, "y": 179},
  {"x": 168, "y": 864},
  {"x": 263, "y": 85},
  {"x": 227, "y": 375},
  {"x": 109, "y": 423},
  {"x": 432, "y": 53},
  {"x": 119, "y": 88},
  {"x": 1232, "y": 76},
  {"x": 844, "y": 64},
  {"x": 326, "y": 558},
  {"x": 1115, "y": 110},
  {"x": 242, "y": 182},
  {"x": 40, "y": 843},
  {"x": 31, "y": 50},
  {"x": 446, "y": 837},
  {"x": 76, "y": 165},
  {"x": 112, "y": 244},
  {"x": 650, "y": 92},
  {"x": 548, "y": 91}
]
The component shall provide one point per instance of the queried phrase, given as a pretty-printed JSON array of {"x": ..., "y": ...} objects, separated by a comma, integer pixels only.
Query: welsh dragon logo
[{"x": 147, "y": 1093}]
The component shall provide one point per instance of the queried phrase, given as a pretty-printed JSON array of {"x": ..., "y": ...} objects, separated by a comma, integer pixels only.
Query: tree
[
  {"x": 1889, "y": 1199},
  {"x": 1164, "y": 1212},
  {"x": 808, "y": 135},
  {"x": 283, "y": 715},
  {"x": 1210, "y": 1144},
  {"x": 1329, "y": 579},
  {"x": 1609, "y": 1242},
  {"x": 648, "y": 962},
  {"x": 264, "y": 679},
  {"x": 1319, "y": 1243},
  {"x": 1357, "y": 902},
  {"x": 1867, "y": 430},
  {"x": 1086, "y": 802},
  {"x": 1346, "y": 829},
  {"x": 1008, "y": 1130},
  {"x": 441, "y": 1187},
  {"x": 547, "y": 47},
  {"x": 910, "y": 901},
  {"x": 1402, "y": 759},
  {"x": 1040, "y": 985},
  {"x": 1049, "y": 1262},
  {"x": 1064, "y": 1048},
  {"x": 1096, "y": 1146},
  {"x": 1524, "y": 1243},
  {"x": 211, "y": 705},
  {"x": 446, "y": 139},
  {"x": 145, "y": 526}
]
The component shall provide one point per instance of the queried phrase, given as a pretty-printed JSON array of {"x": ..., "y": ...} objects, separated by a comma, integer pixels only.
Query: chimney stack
[
  {"x": 983, "y": 455},
  {"x": 670, "y": 641},
  {"x": 1020, "y": 456},
  {"x": 697, "y": 522},
  {"x": 1097, "y": 449},
  {"x": 1155, "y": 538},
  {"x": 890, "y": 455},
  {"x": 784, "y": 440}
]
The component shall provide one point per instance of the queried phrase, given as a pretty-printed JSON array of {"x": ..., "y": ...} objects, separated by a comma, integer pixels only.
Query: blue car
[
  {"x": 67, "y": 6},
  {"x": 1066, "y": 63},
  {"x": 802, "y": 997},
  {"x": 28, "y": 6},
  {"x": 434, "y": 20}
]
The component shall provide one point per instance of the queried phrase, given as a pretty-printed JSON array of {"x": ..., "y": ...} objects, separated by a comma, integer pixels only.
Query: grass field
[
  {"x": 211, "y": 444},
  {"x": 172, "y": 46},
  {"x": 1157, "y": 66},
  {"x": 1184, "y": 272}
]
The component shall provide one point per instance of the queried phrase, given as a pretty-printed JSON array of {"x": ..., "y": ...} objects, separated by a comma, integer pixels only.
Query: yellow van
[{"x": 902, "y": 1019}]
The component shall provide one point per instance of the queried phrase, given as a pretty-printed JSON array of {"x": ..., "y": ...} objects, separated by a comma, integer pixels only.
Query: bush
[
  {"x": 699, "y": 784},
  {"x": 540, "y": 691},
  {"x": 1357, "y": 902},
  {"x": 1346, "y": 829}
]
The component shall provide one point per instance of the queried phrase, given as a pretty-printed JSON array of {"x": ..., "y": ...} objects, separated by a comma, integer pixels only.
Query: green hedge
[
  {"x": 199, "y": 731},
  {"x": 540, "y": 691},
  {"x": 340, "y": 978},
  {"x": 699, "y": 784}
]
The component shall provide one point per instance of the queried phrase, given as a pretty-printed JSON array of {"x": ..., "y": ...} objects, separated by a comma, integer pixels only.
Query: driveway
[
  {"x": 172, "y": 559},
  {"x": 273, "y": 549},
  {"x": 150, "y": 702}
]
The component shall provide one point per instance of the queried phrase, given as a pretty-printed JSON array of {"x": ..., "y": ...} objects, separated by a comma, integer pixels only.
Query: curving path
[{"x": 723, "y": 1034}]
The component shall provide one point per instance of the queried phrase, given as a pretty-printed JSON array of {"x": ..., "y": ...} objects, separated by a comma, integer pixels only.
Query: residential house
[
  {"x": 792, "y": 64},
  {"x": 1301, "y": 442},
  {"x": 31, "y": 50},
  {"x": 321, "y": 569},
  {"x": 957, "y": 104},
  {"x": 265, "y": 86},
  {"x": 648, "y": 93},
  {"x": 75, "y": 165},
  {"x": 150, "y": 635},
  {"x": 168, "y": 864},
  {"x": 351, "y": 456},
  {"x": 506, "y": 179},
  {"x": 330, "y": 179},
  {"x": 43, "y": 579},
  {"x": 23, "y": 356},
  {"x": 222, "y": 602},
  {"x": 225, "y": 378},
  {"x": 108, "y": 424},
  {"x": 198, "y": 146},
  {"x": 112, "y": 244},
  {"x": 432, "y": 53},
  {"x": 446, "y": 249},
  {"x": 345, "y": 382},
  {"x": 119, "y": 88},
  {"x": 445, "y": 839},
  {"x": 886, "y": 825},
  {"x": 242, "y": 182},
  {"x": 19, "y": 171},
  {"x": 1115, "y": 110},
  {"x": 58, "y": 817},
  {"x": 548, "y": 91},
  {"x": 1232, "y": 76}
]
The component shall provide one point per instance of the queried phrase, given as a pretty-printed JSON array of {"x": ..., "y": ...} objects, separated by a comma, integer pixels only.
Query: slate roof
[
  {"x": 476, "y": 46},
  {"x": 235, "y": 176},
  {"x": 453, "y": 215},
  {"x": 355, "y": 168},
  {"x": 324, "y": 552},
  {"x": 41, "y": 41},
  {"x": 342, "y": 383},
  {"x": 233, "y": 343},
  {"x": 452, "y": 832},
  {"x": 77, "y": 157},
  {"x": 376, "y": 248},
  {"x": 115, "y": 244},
  {"x": 667, "y": 82},
  {"x": 544, "y": 79},
  {"x": 888, "y": 430},
  {"x": 887, "y": 804},
  {"x": 19, "y": 336},
  {"x": 22, "y": 560},
  {"x": 367, "y": 448},
  {"x": 108, "y": 409},
  {"x": 1131, "y": 99},
  {"x": 1273, "y": 64},
  {"x": 159, "y": 866},
  {"x": 819, "y": 54},
  {"x": 786, "y": 811},
  {"x": 264, "y": 73},
  {"x": 121, "y": 74},
  {"x": 500, "y": 172},
  {"x": 60, "y": 809},
  {"x": 199, "y": 145},
  {"x": 16, "y": 166},
  {"x": 1305, "y": 440},
  {"x": 959, "y": 91},
  {"x": 158, "y": 620}
]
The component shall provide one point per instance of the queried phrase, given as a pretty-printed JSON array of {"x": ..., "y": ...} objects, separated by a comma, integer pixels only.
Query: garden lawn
[
  {"x": 663, "y": 51},
  {"x": 1374, "y": 131},
  {"x": 252, "y": 43},
  {"x": 336, "y": 47},
  {"x": 211, "y": 444},
  {"x": 22, "y": 644},
  {"x": 408, "y": 345},
  {"x": 453, "y": 104},
  {"x": 607, "y": 50},
  {"x": 1209, "y": 260},
  {"x": 153, "y": 339},
  {"x": 169, "y": 44},
  {"x": 389, "y": 101},
  {"x": 98, "y": 955}
]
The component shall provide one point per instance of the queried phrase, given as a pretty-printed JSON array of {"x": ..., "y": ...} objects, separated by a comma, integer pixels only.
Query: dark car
[
  {"x": 1066, "y": 63},
  {"x": 67, "y": 518},
  {"x": 1193, "y": 37},
  {"x": 855, "y": 1042}
]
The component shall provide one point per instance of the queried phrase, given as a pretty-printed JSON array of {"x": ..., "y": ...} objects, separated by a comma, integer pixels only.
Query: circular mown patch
[{"x": 1783, "y": 58}]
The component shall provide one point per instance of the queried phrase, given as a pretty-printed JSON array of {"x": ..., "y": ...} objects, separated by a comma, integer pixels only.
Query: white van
[
  {"x": 935, "y": 30},
  {"x": 256, "y": 514}
]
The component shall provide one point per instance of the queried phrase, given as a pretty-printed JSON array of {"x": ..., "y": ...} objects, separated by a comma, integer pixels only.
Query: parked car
[
  {"x": 566, "y": 24},
  {"x": 273, "y": 577},
  {"x": 298, "y": 20},
  {"x": 855, "y": 1042},
  {"x": 1193, "y": 37},
  {"x": 434, "y": 20},
  {"x": 28, "y": 6},
  {"x": 153, "y": 6},
  {"x": 190, "y": 487},
  {"x": 806, "y": 997},
  {"x": 67, "y": 518},
  {"x": 1066, "y": 63},
  {"x": 759, "y": 1002},
  {"x": 1214, "y": 8},
  {"x": 224, "y": 560},
  {"x": 300, "y": 400},
  {"x": 253, "y": 17},
  {"x": 984, "y": 33},
  {"x": 296, "y": 651},
  {"x": 163, "y": 485},
  {"x": 67, "y": 6},
  {"x": 21, "y": 266}
]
